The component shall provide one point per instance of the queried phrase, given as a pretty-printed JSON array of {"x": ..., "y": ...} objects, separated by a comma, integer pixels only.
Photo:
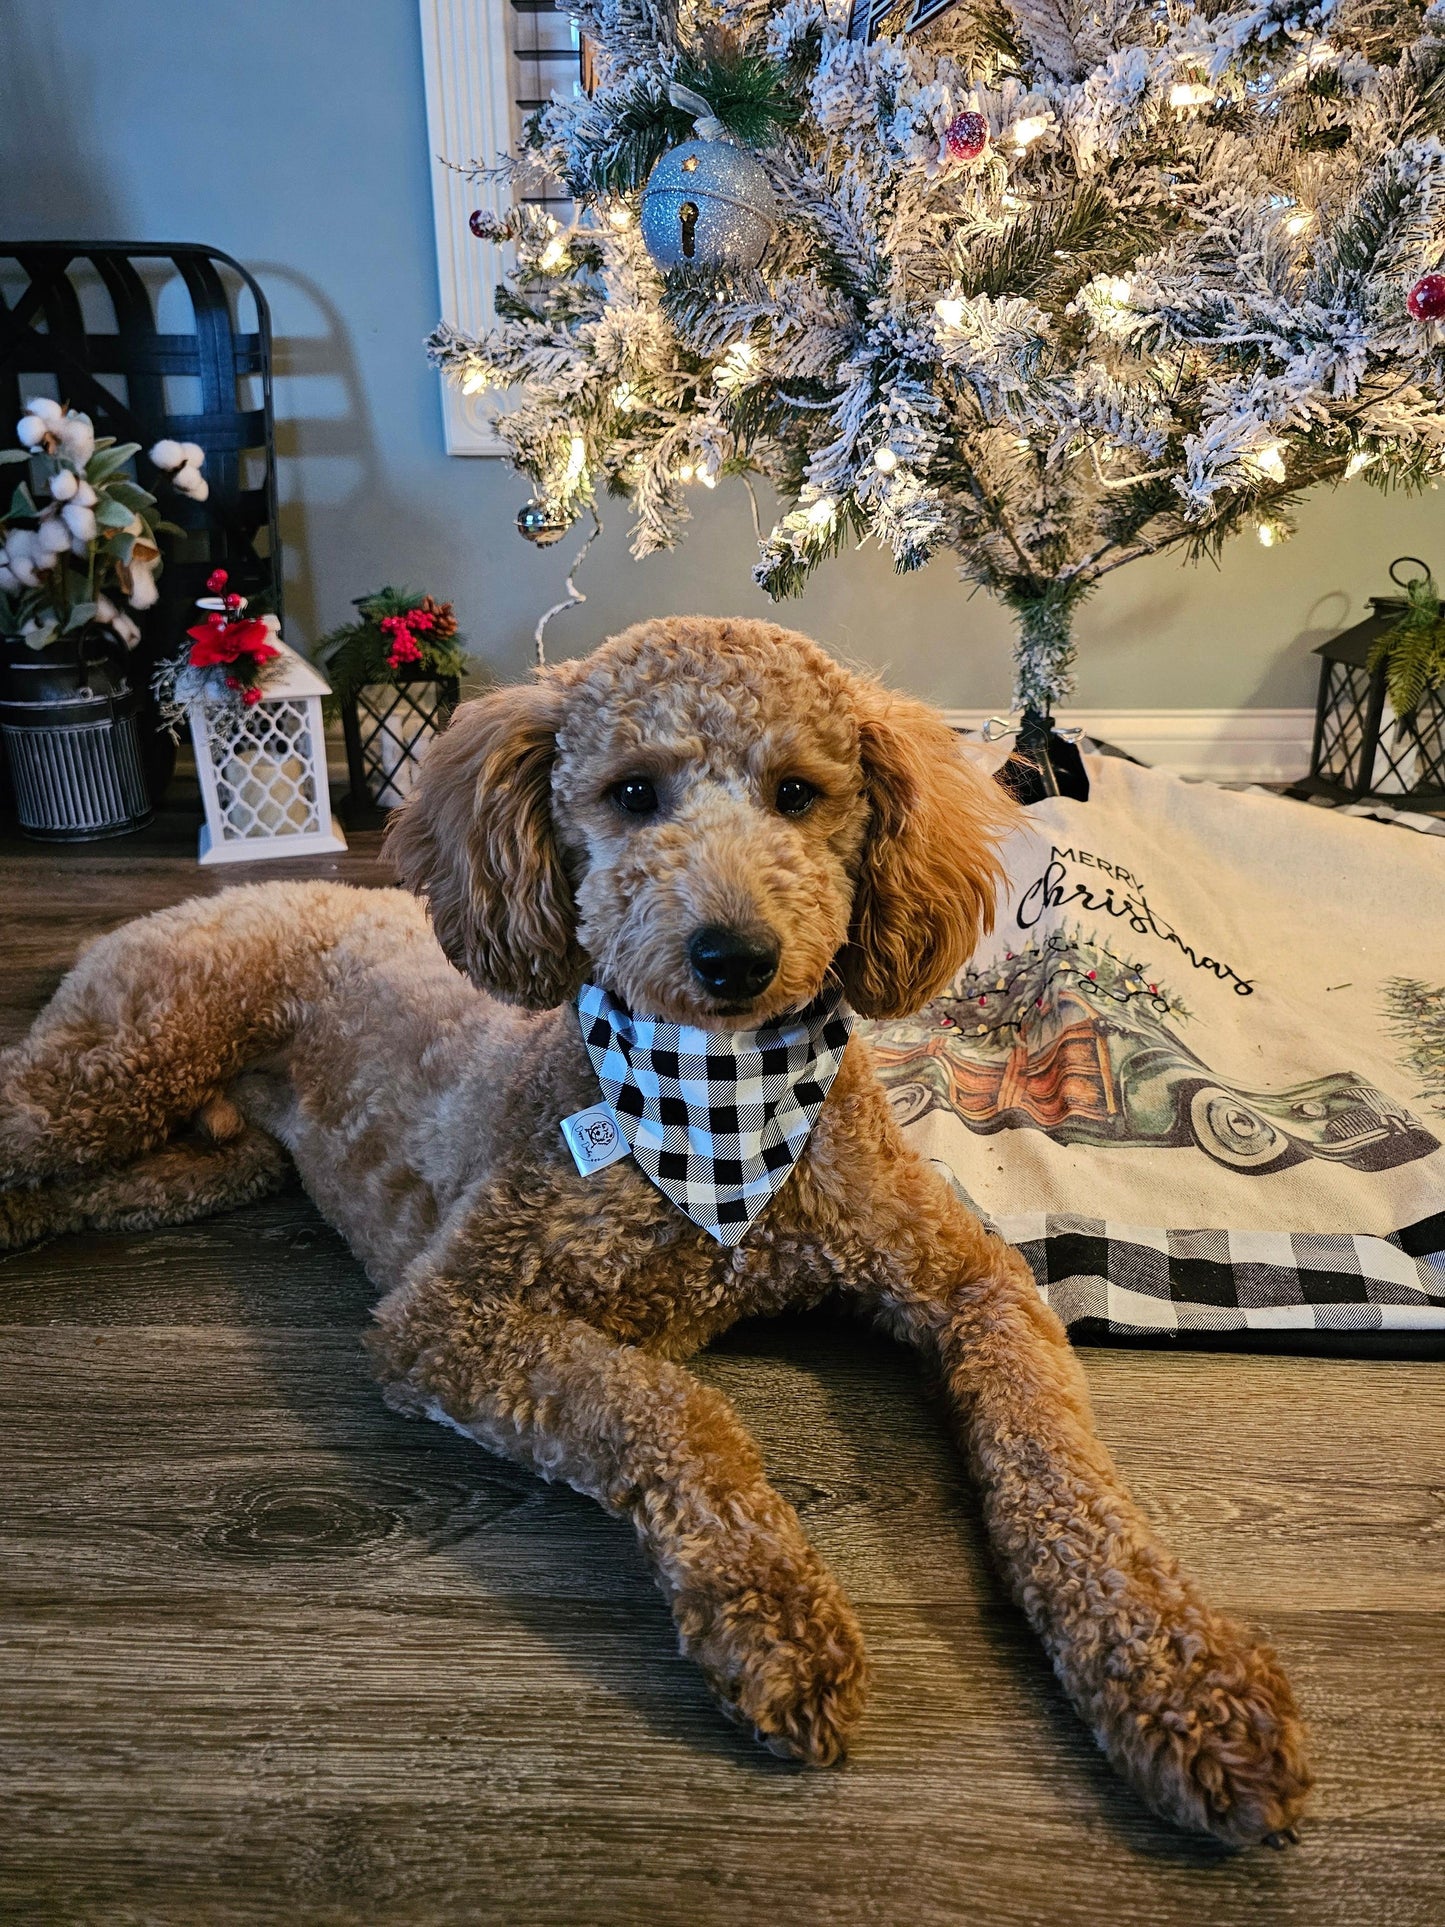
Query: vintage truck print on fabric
[{"x": 1067, "y": 1038}]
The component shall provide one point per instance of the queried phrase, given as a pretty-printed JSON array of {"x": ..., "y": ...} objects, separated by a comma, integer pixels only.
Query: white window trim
[{"x": 468, "y": 117}]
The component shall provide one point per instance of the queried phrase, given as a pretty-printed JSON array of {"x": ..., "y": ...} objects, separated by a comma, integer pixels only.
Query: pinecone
[{"x": 445, "y": 625}]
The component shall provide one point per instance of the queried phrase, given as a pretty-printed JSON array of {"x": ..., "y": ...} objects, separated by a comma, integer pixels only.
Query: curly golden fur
[{"x": 546, "y": 1317}]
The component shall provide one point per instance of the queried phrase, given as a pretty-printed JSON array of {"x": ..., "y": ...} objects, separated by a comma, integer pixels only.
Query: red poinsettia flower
[{"x": 217, "y": 641}]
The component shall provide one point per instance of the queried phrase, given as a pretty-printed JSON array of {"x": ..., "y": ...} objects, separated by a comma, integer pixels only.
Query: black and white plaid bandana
[{"x": 717, "y": 1119}]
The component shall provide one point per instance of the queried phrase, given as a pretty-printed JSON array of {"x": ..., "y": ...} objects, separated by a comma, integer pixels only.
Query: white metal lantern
[{"x": 263, "y": 777}]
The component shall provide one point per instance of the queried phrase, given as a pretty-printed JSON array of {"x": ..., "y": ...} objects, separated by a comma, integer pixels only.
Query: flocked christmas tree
[{"x": 1051, "y": 284}]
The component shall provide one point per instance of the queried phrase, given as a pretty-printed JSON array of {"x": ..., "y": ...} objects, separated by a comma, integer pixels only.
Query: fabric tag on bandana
[{"x": 593, "y": 1138}]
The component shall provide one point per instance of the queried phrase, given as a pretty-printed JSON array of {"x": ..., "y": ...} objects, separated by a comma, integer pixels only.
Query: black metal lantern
[
  {"x": 389, "y": 727},
  {"x": 1362, "y": 749}
]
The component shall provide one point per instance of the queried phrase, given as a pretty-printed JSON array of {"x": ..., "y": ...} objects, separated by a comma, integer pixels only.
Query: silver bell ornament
[
  {"x": 707, "y": 204},
  {"x": 540, "y": 525}
]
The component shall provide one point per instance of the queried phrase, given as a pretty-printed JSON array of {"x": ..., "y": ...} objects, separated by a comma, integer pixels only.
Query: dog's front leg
[
  {"x": 754, "y": 1604},
  {"x": 1188, "y": 1708}
]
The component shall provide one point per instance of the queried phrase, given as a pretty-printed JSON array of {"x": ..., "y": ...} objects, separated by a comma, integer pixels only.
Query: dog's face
[{"x": 711, "y": 819}]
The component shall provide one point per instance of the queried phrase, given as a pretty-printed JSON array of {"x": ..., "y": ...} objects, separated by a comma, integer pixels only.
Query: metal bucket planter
[
  {"x": 389, "y": 727},
  {"x": 68, "y": 719}
]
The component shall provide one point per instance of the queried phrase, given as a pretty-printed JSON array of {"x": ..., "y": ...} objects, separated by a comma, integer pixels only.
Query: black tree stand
[{"x": 1042, "y": 763}]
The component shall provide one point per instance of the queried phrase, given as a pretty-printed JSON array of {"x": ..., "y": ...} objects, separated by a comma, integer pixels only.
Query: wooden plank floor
[{"x": 269, "y": 1652}]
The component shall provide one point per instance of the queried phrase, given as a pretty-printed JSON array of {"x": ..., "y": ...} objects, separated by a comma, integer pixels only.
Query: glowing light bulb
[
  {"x": 1120, "y": 291},
  {"x": 553, "y": 255},
  {"x": 1297, "y": 222},
  {"x": 685, "y": 472},
  {"x": 949, "y": 312},
  {"x": 823, "y": 512},
  {"x": 475, "y": 380},
  {"x": 623, "y": 396},
  {"x": 737, "y": 366},
  {"x": 1190, "y": 93},
  {"x": 1027, "y": 130},
  {"x": 1269, "y": 534},
  {"x": 885, "y": 460},
  {"x": 1361, "y": 458},
  {"x": 707, "y": 478},
  {"x": 576, "y": 461},
  {"x": 1269, "y": 460},
  {"x": 620, "y": 216}
]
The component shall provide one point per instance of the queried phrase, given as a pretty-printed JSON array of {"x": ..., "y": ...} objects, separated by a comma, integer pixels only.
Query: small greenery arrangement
[
  {"x": 80, "y": 538},
  {"x": 397, "y": 635},
  {"x": 1413, "y": 652}
]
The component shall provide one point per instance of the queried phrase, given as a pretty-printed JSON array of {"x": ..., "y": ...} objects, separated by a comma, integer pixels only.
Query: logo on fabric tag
[{"x": 593, "y": 1138}]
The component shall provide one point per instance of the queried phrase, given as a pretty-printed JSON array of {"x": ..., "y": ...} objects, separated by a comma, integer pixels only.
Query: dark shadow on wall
[
  {"x": 336, "y": 488},
  {"x": 1294, "y": 665}
]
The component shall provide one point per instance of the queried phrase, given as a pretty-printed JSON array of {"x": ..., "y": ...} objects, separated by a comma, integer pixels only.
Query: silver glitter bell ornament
[
  {"x": 707, "y": 203},
  {"x": 539, "y": 524}
]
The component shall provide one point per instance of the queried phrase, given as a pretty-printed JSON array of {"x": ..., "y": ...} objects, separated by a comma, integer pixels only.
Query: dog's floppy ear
[
  {"x": 929, "y": 870},
  {"x": 475, "y": 838}
]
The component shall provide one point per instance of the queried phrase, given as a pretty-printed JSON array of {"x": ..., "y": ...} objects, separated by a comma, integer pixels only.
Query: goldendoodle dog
[{"x": 715, "y": 829}]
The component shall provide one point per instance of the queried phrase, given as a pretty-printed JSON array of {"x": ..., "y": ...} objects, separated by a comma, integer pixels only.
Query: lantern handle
[{"x": 1400, "y": 560}]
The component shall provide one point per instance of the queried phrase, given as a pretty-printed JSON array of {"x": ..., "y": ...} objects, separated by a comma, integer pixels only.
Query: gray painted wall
[{"x": 292, "y": 134}]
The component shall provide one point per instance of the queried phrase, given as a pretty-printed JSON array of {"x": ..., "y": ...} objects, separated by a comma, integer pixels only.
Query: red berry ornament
[
  {"x": 1426, "y": 300},
  {"x": 235, "y": 602},
  {"x": 966, "y": 136},
  {"x": 216, "y": 581}
]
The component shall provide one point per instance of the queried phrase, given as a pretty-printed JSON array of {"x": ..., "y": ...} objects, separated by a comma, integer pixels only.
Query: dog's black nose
[{"x": 732, "y": 963}]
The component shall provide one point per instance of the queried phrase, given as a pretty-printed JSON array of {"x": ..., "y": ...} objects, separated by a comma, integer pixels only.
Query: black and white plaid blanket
[
  {"x": 1124, "y": 1281},
  {"x": 716, "y": 1119}
]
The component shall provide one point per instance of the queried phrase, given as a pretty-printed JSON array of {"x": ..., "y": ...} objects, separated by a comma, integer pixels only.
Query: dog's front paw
[
  {"x": 1215, "y": 1743},
  {"x": 783, "y": 1654}
]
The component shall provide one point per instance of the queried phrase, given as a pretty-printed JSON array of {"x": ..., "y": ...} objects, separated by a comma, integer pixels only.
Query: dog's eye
[
  {"x": 635, "y": 794},
  {"x": 795, "y": 797}
]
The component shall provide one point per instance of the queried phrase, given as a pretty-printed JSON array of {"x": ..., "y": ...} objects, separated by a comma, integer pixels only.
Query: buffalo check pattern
[
  {"x": 716, "y": 1119},
  {"x": 1111, "y": 1280}
]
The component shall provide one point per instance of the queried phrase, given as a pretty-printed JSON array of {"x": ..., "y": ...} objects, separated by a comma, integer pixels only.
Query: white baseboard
[{"x": 1228, "y": 745}]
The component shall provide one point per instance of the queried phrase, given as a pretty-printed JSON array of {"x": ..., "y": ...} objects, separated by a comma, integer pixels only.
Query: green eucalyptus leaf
[
  {"x": 39, "y": 639},
  {"x": 109, "y": 461},
  {"x": 112, "y": 515},
  {"x": 82, "y": 613},
  {"x": 22, "y": 502},
  {"x": 121, "y": 545},
  {"x": 131, "y": 493}
]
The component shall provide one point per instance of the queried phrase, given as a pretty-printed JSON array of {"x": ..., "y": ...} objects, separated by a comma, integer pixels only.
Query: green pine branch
[{"x": 1412, "y": 653}]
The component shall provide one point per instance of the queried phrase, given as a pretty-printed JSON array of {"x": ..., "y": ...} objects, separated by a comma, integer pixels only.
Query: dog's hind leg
[
  {"x": 154, "y": 1021},
  {"x": 178, "y": 1184},
  {"x": 754, "y": 1604}
]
